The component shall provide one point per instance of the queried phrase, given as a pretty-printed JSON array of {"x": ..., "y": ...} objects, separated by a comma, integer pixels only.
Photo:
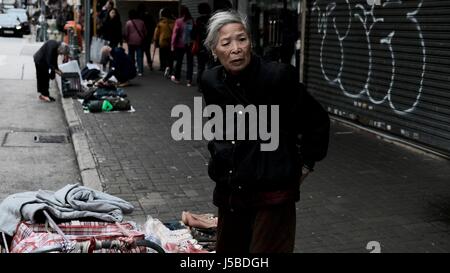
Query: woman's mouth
[{"x": 236, "y": 61}]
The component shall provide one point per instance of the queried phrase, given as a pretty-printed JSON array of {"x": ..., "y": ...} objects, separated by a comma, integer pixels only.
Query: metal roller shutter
[
  {"x": 384, "y": 65},
  {"x": 192, "y": 6}
]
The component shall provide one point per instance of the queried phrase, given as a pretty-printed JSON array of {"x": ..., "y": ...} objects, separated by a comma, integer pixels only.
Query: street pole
[{"x": 87, "y": 31}]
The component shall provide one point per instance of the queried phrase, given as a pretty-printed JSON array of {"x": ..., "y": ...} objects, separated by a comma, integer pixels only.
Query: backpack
[{"x": 187, "y": 31}]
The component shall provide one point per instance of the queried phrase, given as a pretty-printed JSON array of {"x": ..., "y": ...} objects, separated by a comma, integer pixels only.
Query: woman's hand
[{"x": 305, "y": 173}]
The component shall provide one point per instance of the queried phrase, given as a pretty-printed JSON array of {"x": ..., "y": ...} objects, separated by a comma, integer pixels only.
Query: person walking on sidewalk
[
  {"x": 200, "y": 31},
  {"x": 112, "y": 29},
  {"x": 135, "y": 33},
  {"x": 182, "y": 44},
  {"x": 145, "y": 16},
  {"x": 256, "y": 190},
  {"x": 46, "y": 62},
  {"x": 162, "y": 39}
]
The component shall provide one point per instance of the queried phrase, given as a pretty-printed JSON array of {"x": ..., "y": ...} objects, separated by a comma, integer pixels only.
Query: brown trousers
[{"x": 269, "y": 229}]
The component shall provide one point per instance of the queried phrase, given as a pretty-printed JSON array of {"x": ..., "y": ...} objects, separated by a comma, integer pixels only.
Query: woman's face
[
  {"x": 233, "y": 48},
  {"x": 112, "y": 14}
]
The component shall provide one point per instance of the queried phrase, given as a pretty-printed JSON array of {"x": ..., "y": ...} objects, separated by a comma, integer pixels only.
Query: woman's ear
[{"x": 214, "y": 55}]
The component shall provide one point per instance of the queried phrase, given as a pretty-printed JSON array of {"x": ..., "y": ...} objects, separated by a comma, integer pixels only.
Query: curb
[{"x": 86, "y": 162}]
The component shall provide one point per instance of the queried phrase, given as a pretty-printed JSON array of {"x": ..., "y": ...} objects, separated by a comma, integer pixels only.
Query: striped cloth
[{"x": 29, "y": 237}]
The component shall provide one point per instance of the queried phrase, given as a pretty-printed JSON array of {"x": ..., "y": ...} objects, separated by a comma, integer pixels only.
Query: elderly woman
[
  {"x": 256, "y": 190},
  {"x": 46, "y": 62}
]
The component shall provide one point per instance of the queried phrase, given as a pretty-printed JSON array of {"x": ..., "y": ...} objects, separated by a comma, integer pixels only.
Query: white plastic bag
[{"x": 96, "y": 47}]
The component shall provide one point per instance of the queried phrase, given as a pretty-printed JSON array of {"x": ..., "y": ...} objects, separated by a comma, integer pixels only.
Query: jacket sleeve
[
  {"x": 126, "y": 31},
  {"x": 175, "y": 33},
  {"x": 119, "y": 34},
  {"x": 110, "y": 74},
  {"x": 144, "y": 30},
  {"x": 311, "y": 122},
  {"x": 52, "y": 58},
  {"x": 156, "y": 34}
]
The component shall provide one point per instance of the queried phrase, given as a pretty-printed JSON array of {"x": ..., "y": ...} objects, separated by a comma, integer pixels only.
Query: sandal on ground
[{"x": 45, "y": 98}]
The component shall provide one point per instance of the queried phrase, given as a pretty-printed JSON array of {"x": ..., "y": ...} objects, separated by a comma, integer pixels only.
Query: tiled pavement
[{"x": 365, "y": 190}]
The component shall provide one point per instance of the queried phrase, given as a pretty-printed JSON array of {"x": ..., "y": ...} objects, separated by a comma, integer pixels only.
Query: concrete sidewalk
[
  {"x": 30, "y": 157},
  {"x": 366, "y": 190}
]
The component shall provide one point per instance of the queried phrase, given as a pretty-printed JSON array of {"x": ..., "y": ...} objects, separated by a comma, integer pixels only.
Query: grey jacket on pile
[{"x": 72, "y": 202}]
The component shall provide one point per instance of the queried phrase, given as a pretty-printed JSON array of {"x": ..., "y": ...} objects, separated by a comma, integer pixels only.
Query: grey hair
[
  {"x": 63, "y": 49},
  {"x": 220, "y": 19}
]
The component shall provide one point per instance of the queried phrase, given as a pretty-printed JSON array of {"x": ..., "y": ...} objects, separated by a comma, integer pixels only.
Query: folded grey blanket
[{"x": 72, "y": 202}]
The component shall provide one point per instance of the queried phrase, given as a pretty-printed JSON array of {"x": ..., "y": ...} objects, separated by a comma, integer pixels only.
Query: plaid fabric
[{"x": 29, "y": 237}]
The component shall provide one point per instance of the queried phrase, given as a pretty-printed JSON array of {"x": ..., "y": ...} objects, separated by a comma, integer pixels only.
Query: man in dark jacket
[
  {"x": 46, "y": 62},
  {"x": 122, "y": 68},
  {"x": 256, "y": 189}
]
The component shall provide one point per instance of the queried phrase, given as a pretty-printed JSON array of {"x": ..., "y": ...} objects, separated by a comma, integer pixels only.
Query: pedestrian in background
[
  {"x": 162, "y": 39},
  {"x": 256, "y": 190},
  {"x": 135, "y": 32},
  {"x": 200, "y": 31},
  {"x": 145, "y": 16},
  {"x": 46, "y": 63},
  {"x": 102, "y": 16},
  {"x": 182, "y": 44},
  {"x": 112, "y": 29}
]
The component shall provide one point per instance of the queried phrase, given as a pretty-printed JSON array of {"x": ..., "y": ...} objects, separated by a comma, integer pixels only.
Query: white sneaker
[{"x": 167, "y": 73}]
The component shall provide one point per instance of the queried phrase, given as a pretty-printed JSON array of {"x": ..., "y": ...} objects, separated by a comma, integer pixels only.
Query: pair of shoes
[
  {"x": 46, "y": 98},
  {"x": 139, "y": 74},
  {"x": 199, "y": 220},
  {"x": 173, "y": 79},
  {"x": 123, "y": 84},
  {"x": 189, "y": 84}
]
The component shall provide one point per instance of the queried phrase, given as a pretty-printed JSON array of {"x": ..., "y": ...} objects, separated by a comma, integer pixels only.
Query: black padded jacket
[{"x": 240, "y": 166}]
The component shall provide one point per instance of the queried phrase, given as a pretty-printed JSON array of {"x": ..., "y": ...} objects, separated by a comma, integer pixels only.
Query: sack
[
  {"x": 95, "y": 106},
  {"x": 31, "y": 237},
  {"x": 119, "y": 104}
]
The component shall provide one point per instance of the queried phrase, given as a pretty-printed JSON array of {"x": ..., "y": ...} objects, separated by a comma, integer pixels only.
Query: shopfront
[
  {"x": 276, "y": 28},
  {"x": 384, "y": 65}
]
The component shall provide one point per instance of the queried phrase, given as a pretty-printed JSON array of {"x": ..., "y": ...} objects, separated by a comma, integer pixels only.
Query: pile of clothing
[
  {"x": 77, "y": 219},
  {"x": 86, "y": 218},
  {"x": 104, "y": 97},
  {"x": 101, "y": 96}
]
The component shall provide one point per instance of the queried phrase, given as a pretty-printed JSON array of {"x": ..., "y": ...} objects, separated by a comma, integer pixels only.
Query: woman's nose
[{"x": 235, "y": 48}]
